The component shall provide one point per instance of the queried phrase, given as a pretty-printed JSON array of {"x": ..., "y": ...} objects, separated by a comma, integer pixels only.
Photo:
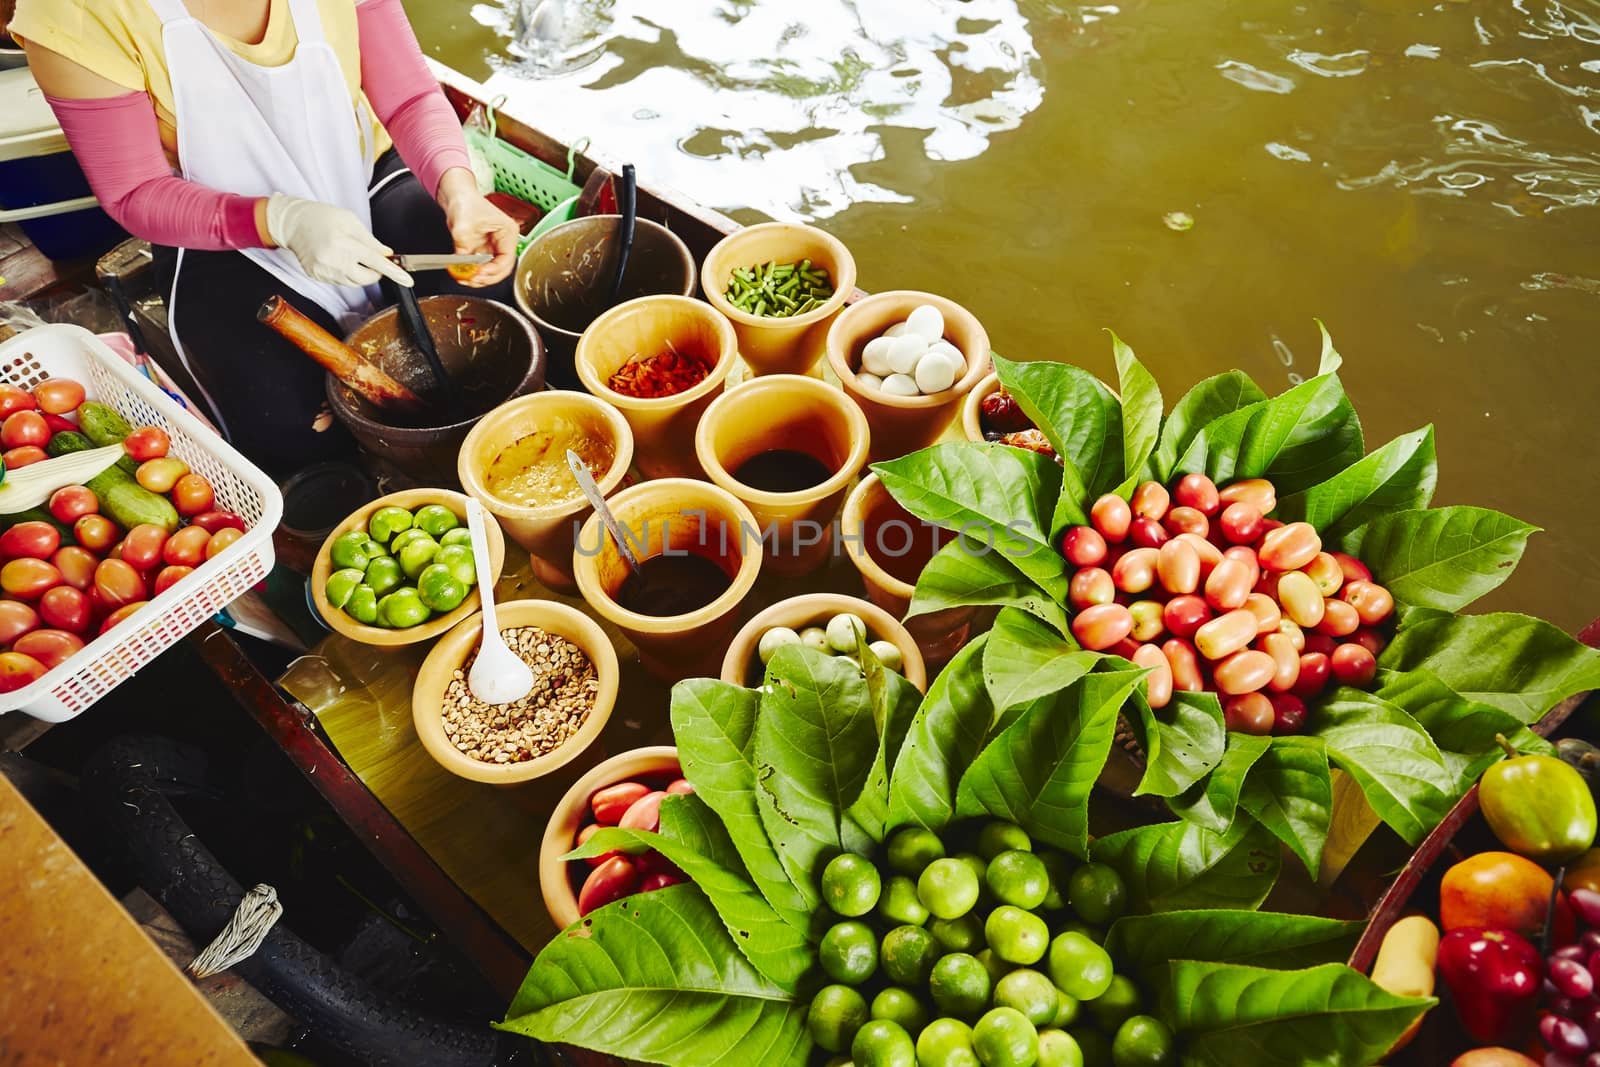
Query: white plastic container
[{"x": 104, "y": 663}]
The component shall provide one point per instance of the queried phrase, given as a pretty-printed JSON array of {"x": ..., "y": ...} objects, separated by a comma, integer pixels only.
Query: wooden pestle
[{"x": 340, "y": 360}]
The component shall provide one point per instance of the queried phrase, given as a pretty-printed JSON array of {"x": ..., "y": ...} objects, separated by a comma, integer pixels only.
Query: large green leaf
[
  {"x": 1077, "y": 414},
  {"x": 657, "y": 977},
  {"x": 1442, "y": 558},
  {"x": 1297, "y": 439},
  {"x": 1182, "y": 741},
  {"x": 1178, "y": 866},
  {"x": 1141, "y": 414},
  {"x": 1207, "y": 402},
  {"x": 1290, "y": 792},
  {"x": 1465, "y": 730},
  {"x": 894, "y": 703},
  {"x": 1038, "y": 771},
  {"x": 1330, "y": 1016},
  {"x": 1147, "y": 944},
  {"x": 997, "y": 499},
  {"x": 1390, "y": 756},
  {"x": 957, "y": 578},
  {"x": 1521, "y": 665},
  {"x": 1213, "y": 800},
  {"x": 713, "y": 723},
  {"x": 945, "y": 736},
  {"x": 1396, "y": 477},
  {"x": 1025, "y": 660}
]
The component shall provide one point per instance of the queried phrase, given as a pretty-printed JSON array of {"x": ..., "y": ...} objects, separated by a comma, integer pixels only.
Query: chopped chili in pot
[{"x": 663, "y": 374}]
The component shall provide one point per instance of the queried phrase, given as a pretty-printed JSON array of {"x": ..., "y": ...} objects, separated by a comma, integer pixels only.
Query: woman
[{"x": 283, "y": 118}]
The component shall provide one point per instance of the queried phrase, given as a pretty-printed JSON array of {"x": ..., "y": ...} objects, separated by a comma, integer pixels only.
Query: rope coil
[{"x": 251, "y": 923}]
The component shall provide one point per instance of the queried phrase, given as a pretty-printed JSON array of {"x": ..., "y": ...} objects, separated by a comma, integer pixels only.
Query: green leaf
[
  {"x": 1330, "y": 360},
  {"x": 1297, "y": 439},
  {"x": 1213, "y": 800},
  {"x": 956, "y": 578},
  {"x": 894, "y": 703},
  {"x": 1290, "y": 792},
  {"x": 1207, "y": 402},
  {"x": 945, "y": 736},
  {"x": 1398, "y": 476},
  {"x": 1390, "y": 756},
  {"x": 1141, "y": 414},
  {"x": 714, "y": 726},
  {"x": 657, "y": 977},
  {"x": 1147, "y": 944},
  {"x": 1521, "y": 665},
  {"x": 1177, "y": 866},
  {"x": 1330, "y": 1016},
  {"x": 1182, "y": 741},
  {"x": 997, "y": 499},
  {"x": 1442, "y": 558},
  {"x": 1077, "y": 414},
  {"x": 1025, "y": 660},
  {"x": 1463, "y": 729},
  {"x": 1038, "y": 771}
]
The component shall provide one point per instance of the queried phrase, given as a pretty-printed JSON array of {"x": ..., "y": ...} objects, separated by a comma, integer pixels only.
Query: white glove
[{"x": 330, "y": 242}]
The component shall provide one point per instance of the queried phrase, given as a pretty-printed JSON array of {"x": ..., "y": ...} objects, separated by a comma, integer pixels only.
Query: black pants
[{"x": 270, "y": 396}]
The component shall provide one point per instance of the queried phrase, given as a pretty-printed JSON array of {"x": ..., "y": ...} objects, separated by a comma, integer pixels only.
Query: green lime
[
  {"x": 436, "y": 520},
  {"x": 1079, "y": 967},
  {"x": 341, "y": 586},
  {"x": 459, "y": 536},
  {"x": 439, "y": 589},
  {"x": 899, "y": 903},
  {"x": 996, "y": 967},
  {"x": 1031, "y": 993},
  {"x": 1067, "y": 1007},
  {"x": 384, "y": 574},
  {"x": 998, "y": 837},
  {"x": 415, "y": 557},
  {"x": 385, "y": 523},
  {"x": 459, "y": 559},
  {"x": 881, "y": 1043},
  {"x": 1017, "y": 877},
  {"x": 900, "y": 1006},
  {"x": 980, "y": 868},
  {"x": 836, "y": 1013},
  {"x": 1095, "y": 1046},
  {"x": 1016, "y": 936},
  {"x": 848, "y": 952},
  {"x": 1058, "y": 865},
  {"x": 402, "y": 608},
  {"x": 1057, "y": 1048},
  {"x": 850, "y": 884},
  {"x": 405, "y": 537},
  {"x": 914, "y": 848},
  {"x": 947, "y": 888},
  {"x": 946, "y": 1043},
  {"x": 1097, "y": 894},
  {"x": 353, "y": 549},
  {"x": 1144, "y": 1041},
  {"x": 959, "y": 985},
  {"x": 961, "y": 934},
  {"x": 909, "y": 953},
  {"x": 1005, "y": 1038},
  {"x": 1111, "y": 1008},
  {"x": 363, "y": 605}
]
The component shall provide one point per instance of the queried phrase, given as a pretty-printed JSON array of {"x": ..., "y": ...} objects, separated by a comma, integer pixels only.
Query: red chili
[{"x": 664, "y": 374}]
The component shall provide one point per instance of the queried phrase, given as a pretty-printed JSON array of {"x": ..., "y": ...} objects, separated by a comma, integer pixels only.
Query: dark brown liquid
[
  {"x": 673, "y": 585},
  {"x": 783, "y": 470},
  {"x": 905, "y": 546}
]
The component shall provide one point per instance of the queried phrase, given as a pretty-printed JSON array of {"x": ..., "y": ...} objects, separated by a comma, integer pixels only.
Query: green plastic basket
[{"x": 521, "y": 175}]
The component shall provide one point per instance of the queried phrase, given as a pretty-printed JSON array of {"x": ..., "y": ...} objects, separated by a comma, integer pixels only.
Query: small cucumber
[
  {"x": 104, "y": 426},
  {"x": 122, "y": 499}
]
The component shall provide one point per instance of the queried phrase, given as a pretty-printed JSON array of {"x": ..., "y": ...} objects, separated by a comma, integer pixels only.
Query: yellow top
[{"x": 120, "y": 40}]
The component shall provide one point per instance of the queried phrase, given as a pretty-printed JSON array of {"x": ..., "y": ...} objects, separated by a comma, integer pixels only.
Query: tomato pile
[
  {"x": 632, "y": 805},
  {"x": 97, "y": 552},
  {"x": 1201, "y": 587}
]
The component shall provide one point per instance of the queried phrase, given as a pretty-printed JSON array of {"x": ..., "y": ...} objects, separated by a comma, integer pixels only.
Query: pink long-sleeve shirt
[{"x": 118, "y": 143}]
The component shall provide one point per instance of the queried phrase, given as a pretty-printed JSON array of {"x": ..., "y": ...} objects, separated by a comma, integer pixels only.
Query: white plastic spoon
[{"x": 498, "y": 675}]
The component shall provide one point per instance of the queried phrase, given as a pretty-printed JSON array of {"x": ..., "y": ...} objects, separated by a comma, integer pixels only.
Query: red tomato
[
  {"x": 66, "y": 608},
  {"x": 116, "y": 583},
  {"x": 27, "y": 579},
  {"x": 16, "y": 619},
  {"x": 95, "y": 532},
  {"x": 221, "y": 540},
  {"x": 13, "y": 400},
  {"x": 58, "y": 396},
  {"x": 143, "y": 546},
  {"x": 24, "y": 428},
  {"x": 121, "y": 614},
  {"x": 218, "y": 520},
  {"x": 160, "y": 475},
  {"x": 57, "y": 423},
  {"x": 50, "y": 647},
  {"x": 17, "y": 670},
  {"x": 168, "y": 577},
  {"x": 17, "y": 458},
  {"x": 193, "y": 495},
  {"x": 147, "y": 442},
  {"x": 36, "y": 539},
  {"x": 72, "y": 502},
  {"x": 186, "y": 548}
]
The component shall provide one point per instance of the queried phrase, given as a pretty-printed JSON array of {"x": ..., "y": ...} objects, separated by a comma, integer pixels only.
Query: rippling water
[{"x": 1423, "y": 177}]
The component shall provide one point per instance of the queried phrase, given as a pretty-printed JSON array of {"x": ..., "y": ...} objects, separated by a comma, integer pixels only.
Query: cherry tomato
[
  {"x": 193, "y": 495},
  {"x": 1111, "y": 516},
  {"x": 1353, "y": 665},
  {"x": 160, "y": 475},
  {"x": 27, "y": 579},
  {"x": 95, "y": 532},
  {"x": 24, "y": 428},
  {"x": 1198, "y": 492},
  {"x": 16, "y": 619},
  {"x": 1082, "y": 545},
  {"x": 121, "y": 615},
  {"x": 147, "y": 442},
  {"x": 13, "y": 400},
  {"x": 66, "y": 608},
  {"x": 72, "y": 502},
  {"x": 116, "y": 583},
  {"x": 221, "y": 540},
  {"x": 168, "y": 577},
  {"x": 213, "y": 521},
  {"x": 143, "y": 546},
  {"x": 50, "y": 647},
  {"x": 58, "y": 395},
  {"x": 26, "y": 455},
  {"x": 36, "y": 539},
  {"x": 17, "y": 670},
  {"x": 186, "y": 548},
  {"x": 58, "y": 423}
]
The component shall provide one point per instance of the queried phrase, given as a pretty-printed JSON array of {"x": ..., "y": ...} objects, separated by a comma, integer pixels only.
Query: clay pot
[{"x": 972, "y": 408}]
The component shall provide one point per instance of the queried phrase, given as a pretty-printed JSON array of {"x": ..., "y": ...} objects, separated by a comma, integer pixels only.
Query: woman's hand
[{"x": 478, "y": 226}]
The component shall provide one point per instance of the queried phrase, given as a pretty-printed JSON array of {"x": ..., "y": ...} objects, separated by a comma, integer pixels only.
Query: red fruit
[
  {"x": 660, "y": 880},
  {"x": 1089, "y": 587},
  {"x": 1100, "y": 627},
  {"x": 1136, "y": 570},
  {"x": 147, "y": 442},
  {"x": 36, "y": 540},
  {"x": 167, "y": 577},
  {"x": 644, "y": 813},
  {"x": 1290, "y": 713},
  {"x": 1184, "y": 519},
  {"x": 1226, "y": 634},
  {"x": 612, "y": 803},
  {"x": 1112, "y": 516},
  {"x": 1369, "y": 639},
  {"x": 1178, "y": 565},
  {"x": 1290, "y": 548},
  {"x": 1185, "y": 665},
  {"x": 221, "y": 540},
  {"x": 50, "y": 647},
  {"x": 1373, "y": 603},
  {"x": 13, "y": 400},
  {"x": 1501, "y": 891},
  {"x": 1353, "y": 665},
  {"x": 58, "y": 423},
  {"x": 117, "y": 584},
  {"x": 1250, "y": 713},
  {"x": 1145, "y": 532},
  {"x": 1338, "y": 619},
  {"x": 583, "y": 838},
  {"x": 1198, "y": 492},
  {"x": 1241, "y": 523},
  {"x": 1354, "y": 570},
  {"x": 16, "y": 619},
  {"x": 1285, "y": 661},
  {"x": 186, "y": 548},
  {"x": 76, "y": 565},
  {"x": 1229, "y": 585},
  {"x": 1183, "y": 615},
  {"x": 1158, "y": 683},
  {"x": 1210, "y": 555},
  {"x": 143, "y": 546},
  {"x": 1124, "y": 648},
  {"x": 1318, "y": 642},
  {"x": 216, "y": 521},
  {"x": 612, "y": 880},
  {"x": 28, "y": 578},
  {"x": 18, "y": 670},
  {"x": 66, "y": 608},
  {"x": 72, "y": 502},
  {"x": 24, "y": 428},
  {"x": 26, "y": 456},
  {"x": 58, "y": 396},
  {"x": 1314, "y": 673},
  {"x": 1083, "y": 546},
  {"x": 121, "y": 615},
  {"x": 679, "y": 786},
  {"x": 95, "y": 532},
  {"x": 1257, "y": 492},
  {"x": 1268, "y": 616},
  {"x": 1150, "y": 500},
  {"x": 1324, "y": 571},
  {"x": 193, "y": 495},
  {"x": 1246, "y": 671}
]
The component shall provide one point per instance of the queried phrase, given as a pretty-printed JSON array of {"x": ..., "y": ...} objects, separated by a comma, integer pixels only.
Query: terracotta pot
[
  {"x": 681, "y": 516},
  {"x": 902, "y": 424},
  {"x": 663, "y": 427},
  {"x": 656, "y": 765},
  {"x": 815, "y": 609},
  {"x": 874, "y": 538},
  {"x": 972, "y": 408},
  {"x": 791, "y": 412},
  {"x": 411, "y": 500},
  {"x": 450, "y": 654},
  {"x": 545, "y": 532},
  {"x": 779, "y": 345}
]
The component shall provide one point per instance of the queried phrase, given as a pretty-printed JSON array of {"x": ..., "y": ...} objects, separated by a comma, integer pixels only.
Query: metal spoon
[
  {"x": 580, "y": 471},
  {"x": 498, "y": 675}
]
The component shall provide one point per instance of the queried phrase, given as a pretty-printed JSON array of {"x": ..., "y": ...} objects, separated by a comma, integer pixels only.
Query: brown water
[{"x": 1422, "y": 177}]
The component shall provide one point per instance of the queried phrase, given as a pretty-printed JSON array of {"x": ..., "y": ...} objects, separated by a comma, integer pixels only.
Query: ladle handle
[
  {"x": 480, "y": 561},
  {"x": 338, "y": 358}
]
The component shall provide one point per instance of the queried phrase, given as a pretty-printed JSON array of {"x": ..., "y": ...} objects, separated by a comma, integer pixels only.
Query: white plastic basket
[{"x": 72, "y": 352}]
